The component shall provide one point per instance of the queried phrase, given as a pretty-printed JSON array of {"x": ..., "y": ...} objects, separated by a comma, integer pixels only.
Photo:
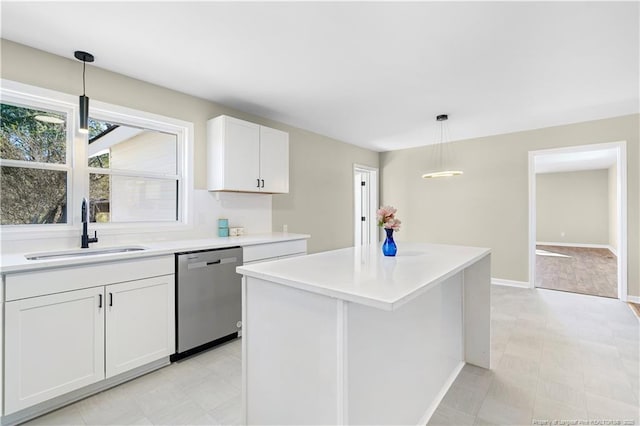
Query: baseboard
[
  {"x": 634, "y": 299},
  {"x": 546, "y": 243},
  {"x": 603, "y": 246},
  {"x": 440, "y": 396},
  {"x": 510, "y": 283}
]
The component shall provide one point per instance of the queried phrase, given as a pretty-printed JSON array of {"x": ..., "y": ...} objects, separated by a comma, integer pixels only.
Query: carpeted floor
[{"x": 591, "y": 271}]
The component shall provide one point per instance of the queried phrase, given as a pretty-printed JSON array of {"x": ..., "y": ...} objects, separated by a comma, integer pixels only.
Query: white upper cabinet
[
  {"x": 246, "y": 157},
  {"x": 274, "y": 160}
]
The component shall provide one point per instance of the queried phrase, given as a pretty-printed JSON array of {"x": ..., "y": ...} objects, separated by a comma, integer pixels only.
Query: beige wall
[
  {"x": 573, "y": 207},
  {"x": 321, "y": 196},
  {"x": 320, "y": 168},
  {"x": 488, "y": 205},
  {"x": 613, "y": 207}
]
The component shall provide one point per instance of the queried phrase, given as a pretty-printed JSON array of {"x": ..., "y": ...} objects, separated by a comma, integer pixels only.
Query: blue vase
[{"x": 389, "y": 247}]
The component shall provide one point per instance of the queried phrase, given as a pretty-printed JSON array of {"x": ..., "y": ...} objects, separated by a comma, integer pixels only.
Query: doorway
[
  {"x": 571, "y": 192},
  {"x": 365, "y": 191}
]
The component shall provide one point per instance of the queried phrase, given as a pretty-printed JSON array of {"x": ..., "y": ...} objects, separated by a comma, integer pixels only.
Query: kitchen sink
[{"x": 82, "y": 252}]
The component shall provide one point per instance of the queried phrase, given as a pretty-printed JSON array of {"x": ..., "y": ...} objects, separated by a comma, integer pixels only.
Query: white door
[
  {"x": 274, "y": 160},
  {"x": 140, "y": 323},
  {"x": 242, "y": 155},
  {"x": 53, "y": 345},
  {"x": 365, "y": 185}
]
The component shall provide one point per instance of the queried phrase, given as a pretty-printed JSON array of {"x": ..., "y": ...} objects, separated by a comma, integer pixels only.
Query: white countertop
[
  {"x": 19, "y": 263},
  {"x": 365, "y": 276}
]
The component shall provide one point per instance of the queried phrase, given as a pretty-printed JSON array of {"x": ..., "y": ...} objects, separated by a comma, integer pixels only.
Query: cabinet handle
[
  {"x": 110, "y": 299},
  {"x": 258, "y": 183},
  {"x": 263, "y": 183},
  {"x": 99, "y": 301}
]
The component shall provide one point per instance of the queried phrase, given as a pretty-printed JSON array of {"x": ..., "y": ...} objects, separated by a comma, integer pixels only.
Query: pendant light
[
  {"x": 441, "y": 153},
  {"x": 84, "y": 100}
]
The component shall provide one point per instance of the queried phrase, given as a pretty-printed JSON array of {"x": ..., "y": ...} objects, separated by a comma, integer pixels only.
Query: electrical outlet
[{"x": 285, "y": 228}]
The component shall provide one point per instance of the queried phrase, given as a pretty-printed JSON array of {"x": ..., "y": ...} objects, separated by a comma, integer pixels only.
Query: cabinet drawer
[
  {"x": 273, "y": 250},
  {"x": 22, "y": 285}
]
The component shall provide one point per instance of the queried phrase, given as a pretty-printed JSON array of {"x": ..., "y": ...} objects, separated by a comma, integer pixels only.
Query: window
[
  {"x": 134, "y": 166},
  {"x": 133, "y": 174},
  {"x": 34, "y": 168}
]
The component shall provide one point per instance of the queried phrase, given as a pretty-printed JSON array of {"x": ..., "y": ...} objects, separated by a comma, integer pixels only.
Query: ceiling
[{"x": 374, "y": 74}]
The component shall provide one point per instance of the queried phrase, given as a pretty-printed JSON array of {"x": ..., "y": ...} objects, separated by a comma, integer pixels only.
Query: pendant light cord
[
  {"x": 440, "y": 145},
  {"x": 84, "y": 68}
]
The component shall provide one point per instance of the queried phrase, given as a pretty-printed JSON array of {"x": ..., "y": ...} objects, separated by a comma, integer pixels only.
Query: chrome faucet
[{"x": 85, "y": 218}]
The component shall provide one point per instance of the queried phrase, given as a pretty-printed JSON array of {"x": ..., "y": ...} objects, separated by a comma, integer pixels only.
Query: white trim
[
  {"x": 581, "y": 245},
  {"x": 509, "y": 283},
  {"x": 621, "y": 196},
  {"x": 440, "y": 396},
  {"x": 633, "y": 299},
  {"x": 342, "y": 363},
  {"x": 373, "y": 203},
  {"x": 532, "y": 219}
]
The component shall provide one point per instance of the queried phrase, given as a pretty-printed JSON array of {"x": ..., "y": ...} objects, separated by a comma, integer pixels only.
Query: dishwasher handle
[{"x": 197, "y": 265}]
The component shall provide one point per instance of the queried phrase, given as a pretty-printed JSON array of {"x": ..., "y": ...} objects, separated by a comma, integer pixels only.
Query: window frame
[
  {"x": 36, "y": 100},
  {"x": 78, "y": 169}
]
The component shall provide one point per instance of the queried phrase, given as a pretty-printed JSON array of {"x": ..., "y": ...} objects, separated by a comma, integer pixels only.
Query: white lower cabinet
[
  {"x": 57, "y": 343},
  {"x": 139, "y": 320},
  {"x": 53, "y": 344}
]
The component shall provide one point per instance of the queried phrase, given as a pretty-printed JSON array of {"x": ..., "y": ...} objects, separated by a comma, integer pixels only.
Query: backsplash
[{"x": 250, "y": 211}]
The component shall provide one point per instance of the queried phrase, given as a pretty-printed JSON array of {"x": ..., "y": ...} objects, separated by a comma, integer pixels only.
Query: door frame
[
  {"x": 621, "y": 199},
  {"x": 373, "y": 202}
]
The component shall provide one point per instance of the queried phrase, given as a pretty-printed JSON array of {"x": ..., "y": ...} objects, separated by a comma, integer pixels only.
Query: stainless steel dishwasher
[{"x": 208, "y": 299}]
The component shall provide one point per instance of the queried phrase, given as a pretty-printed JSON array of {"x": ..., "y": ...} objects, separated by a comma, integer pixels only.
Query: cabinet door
[
  {"x": 274, "y": 160},
  {"x": 140, "y": 323},
  {"x": 53, "y": 344},
  {"x": 241, "y": 155}
]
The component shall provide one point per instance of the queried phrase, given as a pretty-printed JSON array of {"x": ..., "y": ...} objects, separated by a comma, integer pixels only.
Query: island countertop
[{"x": 364, "y": 275}]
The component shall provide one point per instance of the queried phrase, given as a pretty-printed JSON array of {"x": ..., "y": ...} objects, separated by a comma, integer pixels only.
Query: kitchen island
[{"x": 353, "y": 337}]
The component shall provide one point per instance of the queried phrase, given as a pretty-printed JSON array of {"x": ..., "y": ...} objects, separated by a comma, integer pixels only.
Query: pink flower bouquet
[{"x": 386, "y": 217}]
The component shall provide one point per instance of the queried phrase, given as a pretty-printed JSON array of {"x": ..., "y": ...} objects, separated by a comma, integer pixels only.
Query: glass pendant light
[
  {"x": 84, "y": 100},
  {"x": 441, "y": 153}
]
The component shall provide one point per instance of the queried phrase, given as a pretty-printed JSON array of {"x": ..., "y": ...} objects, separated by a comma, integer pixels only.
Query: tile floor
[
  {"x": 200, "y": 390},
  {"x": 555, "y": 356}
]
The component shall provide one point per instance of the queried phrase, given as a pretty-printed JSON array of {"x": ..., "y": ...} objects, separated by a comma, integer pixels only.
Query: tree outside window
[{"x": 33, "y": 172}]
